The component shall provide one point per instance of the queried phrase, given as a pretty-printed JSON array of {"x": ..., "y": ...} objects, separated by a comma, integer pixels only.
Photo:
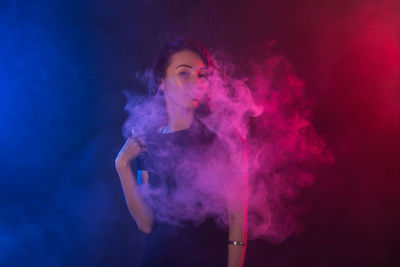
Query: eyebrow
[{"x": 184, "y": 65}]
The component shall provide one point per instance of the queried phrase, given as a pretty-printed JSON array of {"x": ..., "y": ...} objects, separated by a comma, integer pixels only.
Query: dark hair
[{"x": 164, "y": 59}]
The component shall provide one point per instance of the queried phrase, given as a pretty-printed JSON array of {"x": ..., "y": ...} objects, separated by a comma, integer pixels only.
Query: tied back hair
[{"x": 164, "y": 59}]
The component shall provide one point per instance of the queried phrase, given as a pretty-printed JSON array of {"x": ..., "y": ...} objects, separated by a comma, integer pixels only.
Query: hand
[{"x": 132, "y": 148}]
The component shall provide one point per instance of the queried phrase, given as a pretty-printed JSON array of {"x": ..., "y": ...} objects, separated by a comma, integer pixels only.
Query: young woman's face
[{"x": 182, "y": 85}]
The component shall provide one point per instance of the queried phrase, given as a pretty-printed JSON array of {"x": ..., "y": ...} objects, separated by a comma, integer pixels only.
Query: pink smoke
[{"x": 269, "y": 148}]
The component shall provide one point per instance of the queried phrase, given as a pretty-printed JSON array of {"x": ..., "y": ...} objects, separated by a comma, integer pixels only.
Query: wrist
[{"x": 121, "y": 162}]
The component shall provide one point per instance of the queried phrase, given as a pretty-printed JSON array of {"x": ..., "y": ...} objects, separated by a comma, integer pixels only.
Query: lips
[{"x": 196, "y": 95}]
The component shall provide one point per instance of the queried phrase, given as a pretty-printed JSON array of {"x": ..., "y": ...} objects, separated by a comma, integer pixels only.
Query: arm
[
  {"x": 237, "y": 232},
  {"x": 138, "y": 207},
  {"x": 237, "y": 204}
]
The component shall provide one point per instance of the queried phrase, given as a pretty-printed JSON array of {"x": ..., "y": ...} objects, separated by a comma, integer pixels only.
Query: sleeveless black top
[{"x": 187, "y": 244}]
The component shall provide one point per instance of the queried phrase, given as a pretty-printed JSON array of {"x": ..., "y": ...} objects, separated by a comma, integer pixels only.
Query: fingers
[{"x": 140, "y": 141}]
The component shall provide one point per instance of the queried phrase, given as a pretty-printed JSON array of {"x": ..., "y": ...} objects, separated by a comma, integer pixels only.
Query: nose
[
  {"x": 195, "y": 87},
  {"x": 195, "y": 81}
]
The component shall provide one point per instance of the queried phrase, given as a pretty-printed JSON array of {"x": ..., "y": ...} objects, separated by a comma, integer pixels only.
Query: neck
[{"x": 179, "y": 118}]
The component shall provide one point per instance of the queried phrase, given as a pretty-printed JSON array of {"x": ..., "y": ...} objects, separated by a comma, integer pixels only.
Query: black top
[{"x": 188, "y": 244}]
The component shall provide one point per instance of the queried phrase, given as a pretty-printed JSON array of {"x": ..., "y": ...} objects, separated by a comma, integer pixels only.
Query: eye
[
  {"x": 202, "y": 75},
  {"x": 184, "y": 74}
]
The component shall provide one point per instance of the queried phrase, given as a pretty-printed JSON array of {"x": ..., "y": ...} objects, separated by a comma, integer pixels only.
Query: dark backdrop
[{"x": 64, "y": 65}]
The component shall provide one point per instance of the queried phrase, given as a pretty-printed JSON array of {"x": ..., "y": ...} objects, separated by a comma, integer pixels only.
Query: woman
[{"x": 179, "y": 75}]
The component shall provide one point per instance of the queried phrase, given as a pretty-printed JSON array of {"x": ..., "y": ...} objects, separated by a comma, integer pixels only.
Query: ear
[
  {"x": 161, "y": 88},
  {"x": 162, "y": 85}
]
